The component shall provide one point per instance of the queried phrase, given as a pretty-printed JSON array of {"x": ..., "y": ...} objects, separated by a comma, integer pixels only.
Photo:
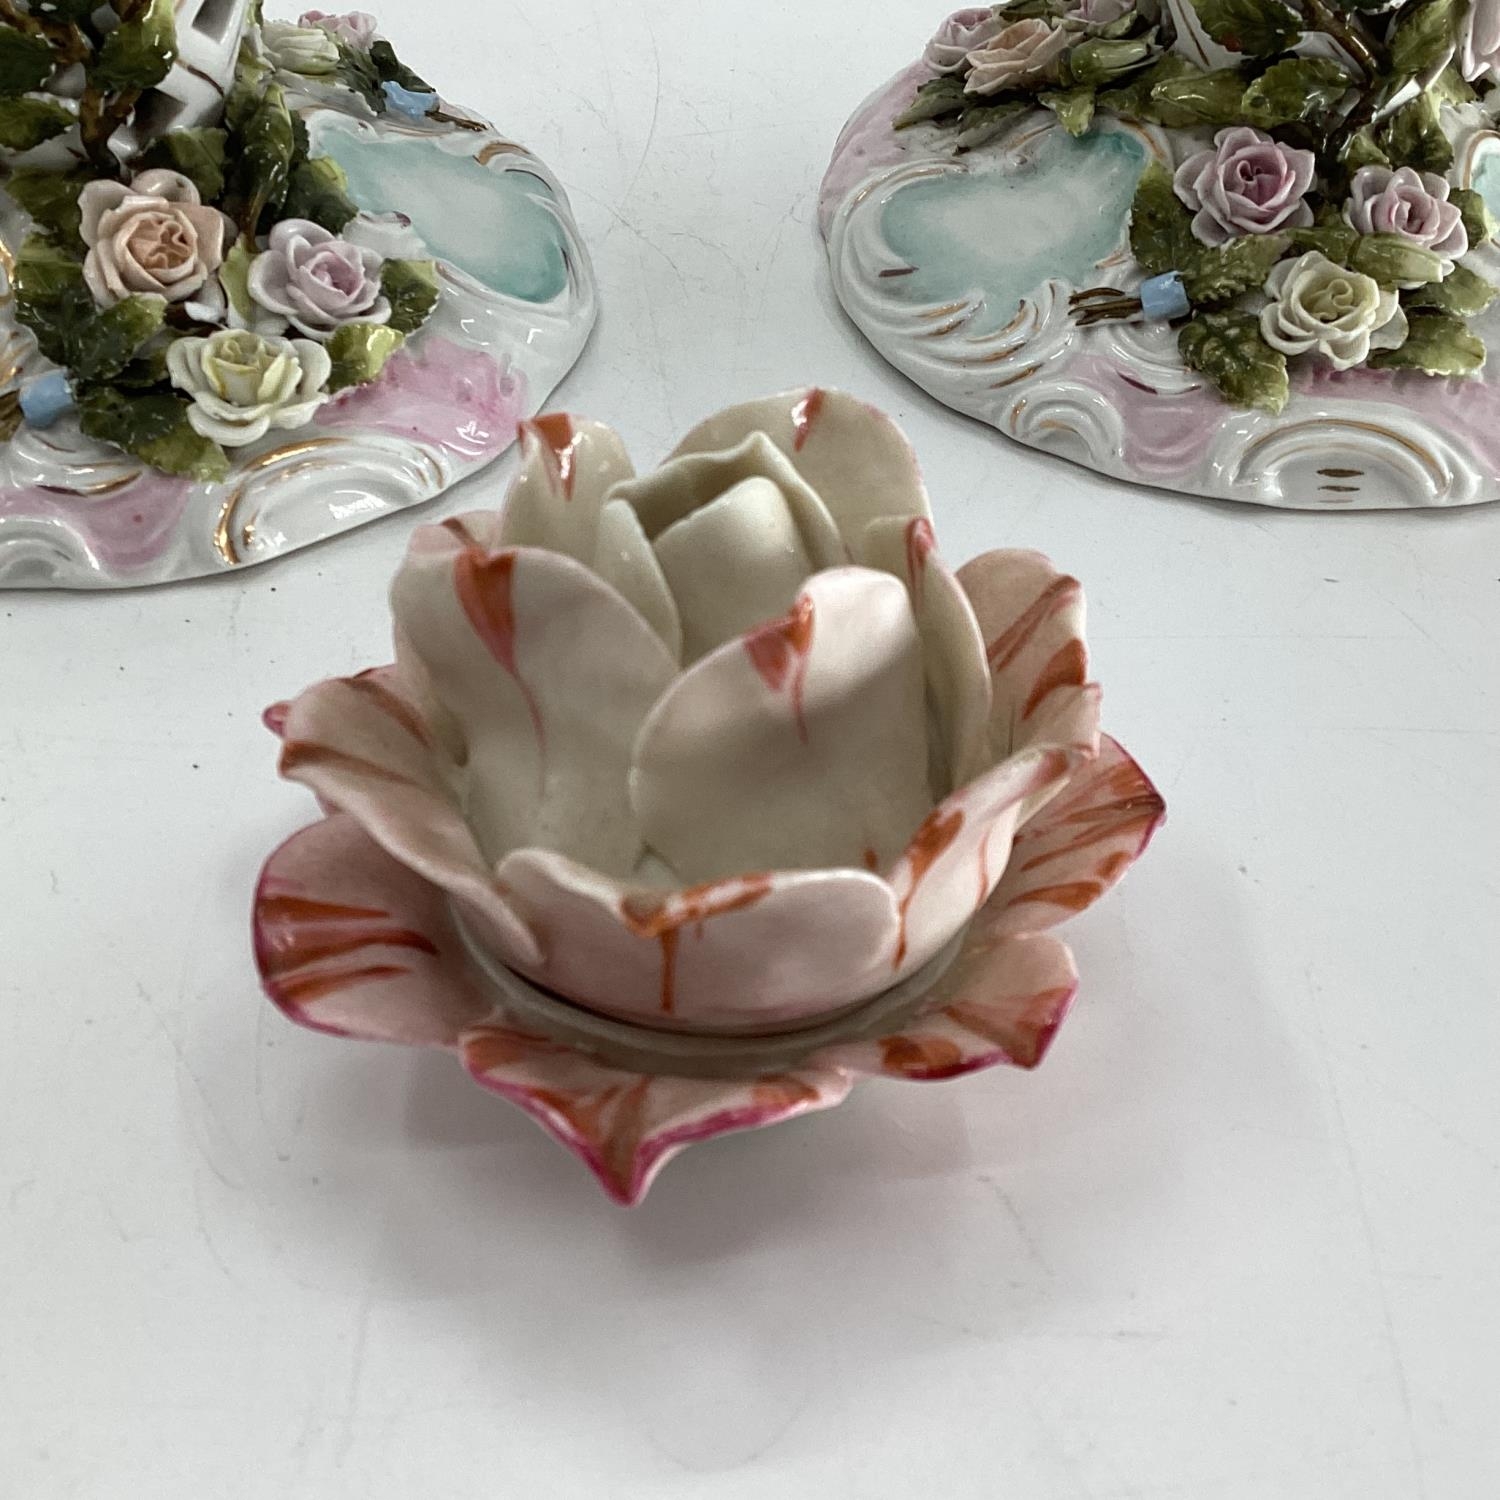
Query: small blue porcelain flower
[
  {"x": 46, "y": 399},
  {"x": 415, "y": 104}
]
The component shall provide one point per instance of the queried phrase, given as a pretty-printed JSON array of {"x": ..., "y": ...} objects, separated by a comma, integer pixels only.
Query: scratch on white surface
[
  {"x": 1356, "y": 1177},
  {"x": 203, "y": 1231},
  {"x": 186, "y": 1070},
  {"x": 1023, "y": 1230},
  {"x": 349, "y": 1419}
]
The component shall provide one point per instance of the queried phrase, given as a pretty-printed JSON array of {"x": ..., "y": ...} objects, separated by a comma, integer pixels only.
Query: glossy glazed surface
[{"x": 959, "y": 269}]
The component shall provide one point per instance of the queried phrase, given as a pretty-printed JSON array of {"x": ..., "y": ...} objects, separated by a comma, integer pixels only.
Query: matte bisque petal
[
  {"x": 351, "y": 942},
  {"x": 1080, "y": 845},
  {"x": 1031, "y": 618},
  {"x": 801, "y": 745},
  {"x": 548, "y": 674},
  {"x": 365, "y": 749},
  {"x": 686, "y": 483},
  {"x": 624, "y": 559},
  {"x": 626, "y": 1126},
  {"x": 953, "y": 654},
  {"x": 999, "y": 1005},
  {"x": 854, "y": 458},
  {"x": 567, "y": 468},
  {"x": 755, "y": 952},
  {"x": 733, "y": 564},
  {"x": 951, "y": 867}
]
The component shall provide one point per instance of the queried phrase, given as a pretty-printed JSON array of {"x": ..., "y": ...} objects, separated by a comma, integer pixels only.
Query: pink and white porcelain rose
[{"x": 723, "y": 753}]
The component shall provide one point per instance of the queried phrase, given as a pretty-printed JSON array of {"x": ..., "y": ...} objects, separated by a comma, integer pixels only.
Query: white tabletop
[{"x": 1239, "y": 1239}]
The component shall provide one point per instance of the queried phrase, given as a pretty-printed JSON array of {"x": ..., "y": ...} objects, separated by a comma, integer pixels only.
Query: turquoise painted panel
[
  {"x": 497, "y": 226},
  {"x": 1003, "y": 229},
  {"x": 1487, "y": 180}
]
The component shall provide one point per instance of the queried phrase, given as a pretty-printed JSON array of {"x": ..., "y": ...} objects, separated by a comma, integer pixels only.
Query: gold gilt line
[
  {"x": 91, "y": 491},
  {"x": 223, "y": 527},
  {"x": 224, "y": 538},
  {"x": 1016, "y": 379},
  {"x": 491, "y": 149},
  {"x": 1321, "y": 428}
]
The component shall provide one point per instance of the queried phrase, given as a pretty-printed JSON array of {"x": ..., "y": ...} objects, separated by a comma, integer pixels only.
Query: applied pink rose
[{"x": 1245, "y": 183}]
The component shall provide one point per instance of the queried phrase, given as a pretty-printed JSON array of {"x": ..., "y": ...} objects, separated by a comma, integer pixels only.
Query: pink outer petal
[
  {"x": 750, "y": 953},
  {"x": 366, "y": 749},
  {"x": 855, "y": 458},
  {"x": 1080, "y": 845},
  {"x": 999, "y": 1005},
  {"x": 1032, "y": 618},
  {"x": 350, "y": 942},
  {"x": 626, "y": 1126}
]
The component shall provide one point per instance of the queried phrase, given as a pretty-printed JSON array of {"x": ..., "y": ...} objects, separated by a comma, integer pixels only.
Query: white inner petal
[
  {"x": 733, "y": 564},
  {"x": 623, "y": 558},
  {"x": 803, "y": 746}
]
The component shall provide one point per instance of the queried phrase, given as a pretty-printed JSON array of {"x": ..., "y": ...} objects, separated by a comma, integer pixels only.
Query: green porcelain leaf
[
  {"x": 1423, "y": 37},
  {"x": 155, "y": 429},
  {"x": 359, "y": 352},
  {"x": 1218, "y": 275},
  {"x": 26, "y": 62},
  {"x": 1452, "y": 88},
  {"x": 1137, "y": 100},
  {"x": 261, "y": 153},
  {"x": 390, "y": 69},
  {"x": 1461, "y": 292},
  {"x": 935, "y": 99},
  {"x": 411, "y": 287},
  {"x": 984, "y": 122},
  {"x": 1414, "y": 137},
  {"x": 25, "y": 123},
  {"x": 139, "y": 53},
  {"x": 51, "y": 298},
  {"x": 1258, "y": 28},
  {"x": 198, "y": 154},
  {"x": 51, "y": 199},
  {"x": 1478, "y": 219},
  {"x": 357, "y": 72},
  {"x": 252, "y": 76},
  {"x": 1299, "y": 88},
  {"x": 1332, "y": 236},
  {"x": 1100, "y": 60},
  {"x": 234, "y": 277},
  {"x": 1393, "y": 260},
  {"x": 1227, "y": 348},
  {"x": 319, "y": 190},
  {"x": 1161, "y": 229},
  {"x": 1216, "y": 98},
  {"x": 1074, "y": 109},
  {"x": 1438, "y": 344},
  {"x": 1361, "y": 150},
  {"x": 112, "y": 338}
]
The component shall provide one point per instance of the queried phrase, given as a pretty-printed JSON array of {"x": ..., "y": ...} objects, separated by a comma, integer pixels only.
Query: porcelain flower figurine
[
  {"x": 1412, "y": 204},
  {"x": 154, "y": 237},
  {"x": 1319, "y": 307},
  {"x": 357, "y": 28},
  {"x": 316, "y": 281},
  {"x": 1025, "y": 51},
  {"x": 724, "y": 757},
  {"x": 963, "y": 33},
  {"x": 242, "y": 385},
  {"x": 1245, "y": 183},
  {"x": 310, "y": 50}
]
